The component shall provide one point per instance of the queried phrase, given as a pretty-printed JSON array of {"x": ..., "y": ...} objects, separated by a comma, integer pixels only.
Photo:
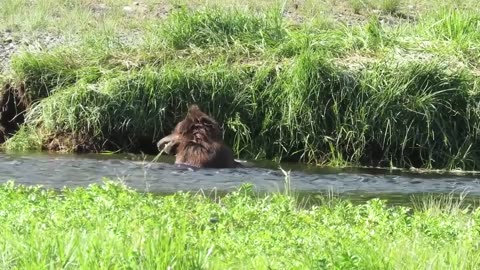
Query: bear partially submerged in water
[{"x": 197, "y": 142}]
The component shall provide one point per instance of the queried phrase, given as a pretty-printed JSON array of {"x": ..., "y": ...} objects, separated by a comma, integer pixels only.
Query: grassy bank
[
  {"x": 388, "y": 83},
  {"x": 110, "y": 226}
]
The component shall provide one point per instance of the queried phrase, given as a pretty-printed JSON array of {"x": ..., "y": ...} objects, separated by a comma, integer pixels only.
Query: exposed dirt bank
[{"x": 12, "y": 109}]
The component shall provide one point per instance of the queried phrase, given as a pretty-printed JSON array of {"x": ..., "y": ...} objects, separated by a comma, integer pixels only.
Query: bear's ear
[
  {"x": 194, "y": 110},
  {"x": 184, "y": 126},
  {"x": 209, "y": 123}
]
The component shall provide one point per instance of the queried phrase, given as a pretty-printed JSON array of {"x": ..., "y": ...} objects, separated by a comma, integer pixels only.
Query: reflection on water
[{"x": 59, "y": 170}]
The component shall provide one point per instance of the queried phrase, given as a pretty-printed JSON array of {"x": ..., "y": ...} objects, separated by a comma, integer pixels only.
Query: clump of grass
[
  {"x": 437, "y": 205},
  {"x": 375, "y": 37},
  {"x": 26, "y": 138},
  {"x": 385, "y": 6},
  {"x": 112, "y": 225},
  {"x": 454, "y": 25},
  {"x": 390, "y": 6},
  {"x": 42, "y": 75},
  {"x": 357, "y": 5},
  {"x": 222, "y": 27}
]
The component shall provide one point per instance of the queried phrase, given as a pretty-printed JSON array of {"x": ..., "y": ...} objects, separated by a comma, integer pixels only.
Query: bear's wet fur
[{"x": 197, "y": 142}]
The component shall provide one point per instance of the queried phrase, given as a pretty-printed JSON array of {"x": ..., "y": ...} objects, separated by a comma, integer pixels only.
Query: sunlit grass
[
  {"x": 112, "y": 226},
  {"x": 303, "y": 108}
]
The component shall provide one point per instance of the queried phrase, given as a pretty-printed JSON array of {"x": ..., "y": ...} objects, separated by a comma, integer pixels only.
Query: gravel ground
[{"x": 12, "y": 42}]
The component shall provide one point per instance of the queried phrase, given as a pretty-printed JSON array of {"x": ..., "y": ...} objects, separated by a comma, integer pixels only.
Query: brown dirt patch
[
  {"x": 81, "y": 143},
  {"x": 65, "y": 142}
]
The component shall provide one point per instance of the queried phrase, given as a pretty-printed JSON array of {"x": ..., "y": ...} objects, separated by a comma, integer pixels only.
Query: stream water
[{"x": 60, "y": 170}]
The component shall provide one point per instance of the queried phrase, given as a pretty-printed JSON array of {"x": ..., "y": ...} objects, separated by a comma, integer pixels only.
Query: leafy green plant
[{"x": 110, "y": 225}]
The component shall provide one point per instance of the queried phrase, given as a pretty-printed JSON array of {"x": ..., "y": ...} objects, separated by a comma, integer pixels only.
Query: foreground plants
[{"x": 111, "y": 226}]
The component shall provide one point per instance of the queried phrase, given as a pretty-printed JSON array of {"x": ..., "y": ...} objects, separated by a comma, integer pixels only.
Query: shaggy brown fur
[{"x": 197, "y": 141}]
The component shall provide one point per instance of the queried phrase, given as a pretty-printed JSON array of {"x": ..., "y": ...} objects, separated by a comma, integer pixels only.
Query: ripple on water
[{"x": 80, "y": 170}]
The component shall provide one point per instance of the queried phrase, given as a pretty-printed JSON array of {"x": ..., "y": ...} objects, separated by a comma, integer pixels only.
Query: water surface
[{"x": 71, "y": 170}]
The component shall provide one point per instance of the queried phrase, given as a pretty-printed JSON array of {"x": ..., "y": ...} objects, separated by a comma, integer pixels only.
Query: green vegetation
[
  {"x": 110, "y": 226},
  {"x": 335, "y": 82},
  {"x": 397, "y": 87}
]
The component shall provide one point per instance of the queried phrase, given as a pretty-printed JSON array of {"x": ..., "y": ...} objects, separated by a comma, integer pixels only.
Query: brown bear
[{"x": 197, "y": 142}]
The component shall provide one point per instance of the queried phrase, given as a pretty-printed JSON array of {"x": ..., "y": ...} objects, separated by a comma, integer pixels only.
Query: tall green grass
[
  {"x": 43, "y": 75},
  {"x": 111, "y": 226},
  {"x": 222, "y": 27}
]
